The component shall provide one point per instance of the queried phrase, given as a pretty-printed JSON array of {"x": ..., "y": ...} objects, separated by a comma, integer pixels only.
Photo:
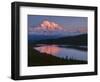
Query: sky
[{"x": 39, "y": 23}]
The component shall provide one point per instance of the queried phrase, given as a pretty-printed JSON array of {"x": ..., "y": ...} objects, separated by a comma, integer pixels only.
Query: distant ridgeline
[{"x": 69, "y": 40}]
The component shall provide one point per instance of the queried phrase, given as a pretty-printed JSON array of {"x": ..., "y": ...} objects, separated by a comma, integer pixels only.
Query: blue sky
[{"x": 67, "y": 22}]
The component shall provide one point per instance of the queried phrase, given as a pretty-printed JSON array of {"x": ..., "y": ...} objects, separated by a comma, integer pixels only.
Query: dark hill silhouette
[{"x": 72, "y": 40}]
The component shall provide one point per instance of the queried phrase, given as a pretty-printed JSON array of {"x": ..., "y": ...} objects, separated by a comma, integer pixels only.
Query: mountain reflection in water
[
  {"x": 48, "y": 49},
  {"x": 63, "y": 52}
]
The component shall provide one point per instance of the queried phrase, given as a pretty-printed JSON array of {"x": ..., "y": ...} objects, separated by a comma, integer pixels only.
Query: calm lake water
[{"x": 63, "y": 51}]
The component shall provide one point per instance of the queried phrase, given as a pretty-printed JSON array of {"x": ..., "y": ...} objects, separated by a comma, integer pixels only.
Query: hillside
[
  {"x": 36, "y": 58},
  {"x": 72, "y": 40}
]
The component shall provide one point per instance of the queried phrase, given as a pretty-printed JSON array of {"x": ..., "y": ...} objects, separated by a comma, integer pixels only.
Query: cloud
[
  {"x": 49, "y": 26},
  {"x": 46, "y": 26}
]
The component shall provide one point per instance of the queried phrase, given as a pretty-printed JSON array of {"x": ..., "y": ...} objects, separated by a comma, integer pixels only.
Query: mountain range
[
  {"x": 50, "y": 35},
  {"x": 69, "y": 40}
]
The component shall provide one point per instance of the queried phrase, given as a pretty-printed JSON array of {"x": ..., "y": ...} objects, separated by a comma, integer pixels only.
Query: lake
[{"x": 63, "y": 51}]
